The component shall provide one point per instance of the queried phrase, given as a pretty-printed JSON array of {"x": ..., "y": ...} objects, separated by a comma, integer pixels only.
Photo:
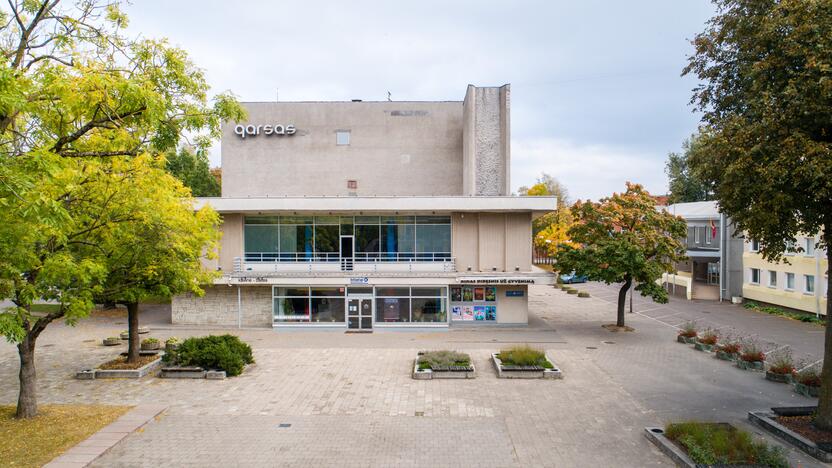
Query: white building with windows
[{"x": 370, "y": 215}]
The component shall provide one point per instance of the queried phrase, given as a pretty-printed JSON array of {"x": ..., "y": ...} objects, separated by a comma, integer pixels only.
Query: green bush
[
  {"x": 443, "y": 360},
  {"x": 524, "y": 356},
  {"x": 772, "y": 310},
  {"x": 719, "y": 444},
  {"x": 225, "y": 352},
  {"x": 583, "y": 294}
]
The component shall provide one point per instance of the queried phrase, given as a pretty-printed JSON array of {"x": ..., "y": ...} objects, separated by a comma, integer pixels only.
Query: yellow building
[{"x": 799, "y": 282}]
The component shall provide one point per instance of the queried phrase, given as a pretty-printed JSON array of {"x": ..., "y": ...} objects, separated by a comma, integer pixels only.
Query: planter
[
  {"x": 174, "y": 372},
  {"x": 679, "y": 457},
  {"x": 707, "y": 348},
  {"x": 806, "y": 390},
  {"x": 507, "y": 372},
  {"x": 89, "y": 374},
  {"x": 768, "y": 421},
  {"x": 727, "y": 356},
  {"x": 449, "y": 373},
  {"x": 751, "y": 365},
  {"x": 686, "y": 339},
  {"x": 170, "y": 347},
  {"x": 779, "y": 378},
  {"x": 112, "y": 341},
  {"x": 143, "y": 330},
  {"x": 124, "y": 335},
  {"x": 572, "y": 291},
  {"x": 151, "y": 346}
]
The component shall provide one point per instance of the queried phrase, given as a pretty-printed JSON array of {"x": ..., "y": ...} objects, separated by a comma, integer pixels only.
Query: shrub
[
  {"x": 150, "y": 341},
  {"x": 809, "y": 377},
  {"x": 172, "y": 340},
  {"x": 752, "y": 353},
  {"x": 731, "y": 347},
  {"x": 524, "y": 356},
  {"x": 443, "y": 360},
  {"x": 721, "y": 444},
  {"x": 226, "y": 352},
  {"x": 782, "y": 362},
  {"x": 583, "y": 294},
  {"x": 709, "y": 337},
  {"x": 689, "y": 330}
]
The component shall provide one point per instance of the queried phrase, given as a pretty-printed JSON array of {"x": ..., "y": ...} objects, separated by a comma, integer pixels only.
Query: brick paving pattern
[{"x": 349, "y": 399}]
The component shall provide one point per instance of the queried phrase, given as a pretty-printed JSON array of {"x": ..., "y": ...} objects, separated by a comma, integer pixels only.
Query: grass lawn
[{"x": 56, "y": 429}]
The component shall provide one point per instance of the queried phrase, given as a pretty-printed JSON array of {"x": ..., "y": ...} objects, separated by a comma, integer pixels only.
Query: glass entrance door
[{"x": 360, "y": 313}]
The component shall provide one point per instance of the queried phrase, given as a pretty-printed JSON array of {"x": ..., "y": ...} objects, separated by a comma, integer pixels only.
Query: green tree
[
  {"x": 624, "y": 239},
  {"x": 80, "y": 107},
  {"x": 684, "y": 185},
  {"x": 191, "y": 167},
  {"x": 550, "y": 230},
  {"x": 766, "y": 99}
]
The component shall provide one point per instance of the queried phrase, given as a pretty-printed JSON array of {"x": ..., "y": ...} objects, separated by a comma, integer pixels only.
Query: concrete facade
[
  {"x": 357, "y": 199},
  {"x": 771, "y": 284}
]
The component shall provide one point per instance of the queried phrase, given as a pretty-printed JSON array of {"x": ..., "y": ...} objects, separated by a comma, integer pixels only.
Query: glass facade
[
  {"x": 411, "y": 305},
  {"x": 317, "y": 238},
  {"x": 309, "y": 305}
]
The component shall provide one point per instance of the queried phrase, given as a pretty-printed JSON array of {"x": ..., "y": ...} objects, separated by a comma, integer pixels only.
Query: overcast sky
[{"x": 596, "y": 94}]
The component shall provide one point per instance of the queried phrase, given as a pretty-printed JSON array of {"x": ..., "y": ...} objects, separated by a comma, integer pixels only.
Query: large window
[
  {"x": 809, "y": 282},
  {"x": 411, "y": 305},
  {"x": 755, "y": 276},
  {"x": 377, "y": 238},
  {"x": 302, "y": 304}
]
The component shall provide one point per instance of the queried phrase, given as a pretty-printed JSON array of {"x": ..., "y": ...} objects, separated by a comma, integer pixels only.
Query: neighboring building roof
[
  {"x": 694, "y": 210},
  {"x": 423, "y": 204}
]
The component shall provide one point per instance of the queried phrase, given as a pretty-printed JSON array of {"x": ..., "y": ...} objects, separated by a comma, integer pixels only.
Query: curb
[{"x": 99, "y": 443}]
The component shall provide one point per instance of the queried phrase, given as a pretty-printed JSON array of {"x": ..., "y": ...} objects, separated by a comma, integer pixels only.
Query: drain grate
[
  {"x": 283, "y": 425},
  {"x": 609, "y": 342},
  {"x": 591, "y": 347},
  {"x": 420, "y": 413}
]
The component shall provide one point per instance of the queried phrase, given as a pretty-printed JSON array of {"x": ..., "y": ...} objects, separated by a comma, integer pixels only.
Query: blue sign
[
  {"x": 362, "y": 280},
  {"x": 514, "y": 293}
]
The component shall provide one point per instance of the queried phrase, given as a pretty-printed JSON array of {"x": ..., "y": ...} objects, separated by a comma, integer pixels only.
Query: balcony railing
[{"x": 360, "y": 262}]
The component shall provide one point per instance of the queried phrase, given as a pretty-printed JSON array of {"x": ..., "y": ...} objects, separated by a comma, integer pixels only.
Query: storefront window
[
  {"x": 392, "y": 309},
  {"x": 309, "y": 305},
  {"x": 411, "y": 305},
  {"x": 429, "y": 309}
]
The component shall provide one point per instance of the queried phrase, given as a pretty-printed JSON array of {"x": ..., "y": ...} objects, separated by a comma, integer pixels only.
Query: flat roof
[
  {"x": 376, "y": 204},
  {"x": 694, "y": 210}
]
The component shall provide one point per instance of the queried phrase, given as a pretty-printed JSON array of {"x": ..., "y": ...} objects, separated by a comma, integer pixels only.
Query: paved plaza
[{"x": 335, "y": 399}]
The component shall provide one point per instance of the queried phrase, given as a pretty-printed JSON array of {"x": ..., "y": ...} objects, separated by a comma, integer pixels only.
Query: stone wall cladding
[
  {"x": 219, "y": 307},
  {"x": 490, "y": 164}
]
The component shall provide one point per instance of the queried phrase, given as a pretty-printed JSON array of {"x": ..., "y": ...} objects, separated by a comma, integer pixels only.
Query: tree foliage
[
  {"x": 624, "y": 239},
  {"x": 766, "y": 98},
  {"x": 84, "y": 116},
  {"x": 685, "y": 186},
  {"x": 550, "y": 230},
  {"x": 191, "y": 167}
]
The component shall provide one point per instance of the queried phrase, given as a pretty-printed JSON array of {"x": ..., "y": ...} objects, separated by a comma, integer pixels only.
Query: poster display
[{"x": 474, "y": 303}]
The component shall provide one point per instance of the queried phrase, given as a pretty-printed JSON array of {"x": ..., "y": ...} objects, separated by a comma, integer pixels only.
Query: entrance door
[
  {"x": 346, "y": 253},
  {"x": 360, "y": 313}
]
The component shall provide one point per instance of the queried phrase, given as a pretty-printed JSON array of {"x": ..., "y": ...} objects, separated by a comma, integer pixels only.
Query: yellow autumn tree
[{"x": 550, "y": 231}]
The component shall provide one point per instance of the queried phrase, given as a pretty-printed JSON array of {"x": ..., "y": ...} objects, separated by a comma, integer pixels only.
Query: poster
[
  {"x": 456, "y": 294},
  {"x": 491, "y": 294},
  {"x": 467, "y": 294},
  {"x": 479, "y": 294},
  {"x": 467, "y": 313},
  {"x": 456, "y": 313},
  {"x": 479, "y": 312},
  {"x": 491, "y": 313}
]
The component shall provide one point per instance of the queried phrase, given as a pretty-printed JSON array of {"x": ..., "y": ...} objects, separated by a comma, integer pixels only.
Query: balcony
[{"x": 273, "y": 262}]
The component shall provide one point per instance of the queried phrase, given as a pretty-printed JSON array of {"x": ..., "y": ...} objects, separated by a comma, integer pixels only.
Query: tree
[
  {"x": 684, "y": 185},
  {"x": 191, "y": 167},
  {"x": 766, "y": 98},
  {"x": 547, "y": 185},
  {"x": 159, "y": 253},
  {"x": 550, "y": 230},
  {"x": 622, "y": 239},
  {"x": 79, "y": 104}
]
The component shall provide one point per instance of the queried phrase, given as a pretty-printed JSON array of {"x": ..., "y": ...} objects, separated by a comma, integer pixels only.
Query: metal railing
[{"x": 302, "y": 257}]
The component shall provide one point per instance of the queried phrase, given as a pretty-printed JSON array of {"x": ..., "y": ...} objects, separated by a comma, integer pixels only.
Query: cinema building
[{"x": 370, "y": 215}]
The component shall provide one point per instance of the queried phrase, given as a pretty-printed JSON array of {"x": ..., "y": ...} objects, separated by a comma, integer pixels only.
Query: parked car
[{"x": 570, "y": 278}]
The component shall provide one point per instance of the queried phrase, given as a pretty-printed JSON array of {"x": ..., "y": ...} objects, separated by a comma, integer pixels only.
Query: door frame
[
  {"x": 347, "y": 263},
  {"x": 360, "y": 298}
]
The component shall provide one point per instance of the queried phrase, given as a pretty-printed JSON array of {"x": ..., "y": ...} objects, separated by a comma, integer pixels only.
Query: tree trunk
[
  {"x": 27, "y": 401},
  {"x": 823, "y": 420},
  {"x": 133, "y": 330},
  {"x": 622, "y": 299}
]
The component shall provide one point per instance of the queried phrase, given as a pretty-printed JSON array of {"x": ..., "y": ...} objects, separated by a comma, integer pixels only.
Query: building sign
[
  {"x": 361, "y": 280},
  {"x": 514, "y": 293},
  {"x": 474, "y": 280},
  {"x": 252, "y": 279},
  {"x": 251, "y": 130}
]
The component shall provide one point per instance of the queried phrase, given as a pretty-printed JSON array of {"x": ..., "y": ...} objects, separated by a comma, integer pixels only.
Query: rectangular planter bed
[
  {"x": 750, "y": 365},
  {"x": 128, "y": 373},
  {"x": 779, "y": 378},
  {"x": 703, "y": 347},
  {"x": 679, "y": 457},
  {"x": 726, "y": 356},
  {"x": 449, "y": 373},
  {"x": 506, "y": 372},
  {"x": 182, "y": 373},
  {"x": 686, "y": 339},
  {"x": 806, "y": 390},
  {"x": 767, "y": 420}
]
